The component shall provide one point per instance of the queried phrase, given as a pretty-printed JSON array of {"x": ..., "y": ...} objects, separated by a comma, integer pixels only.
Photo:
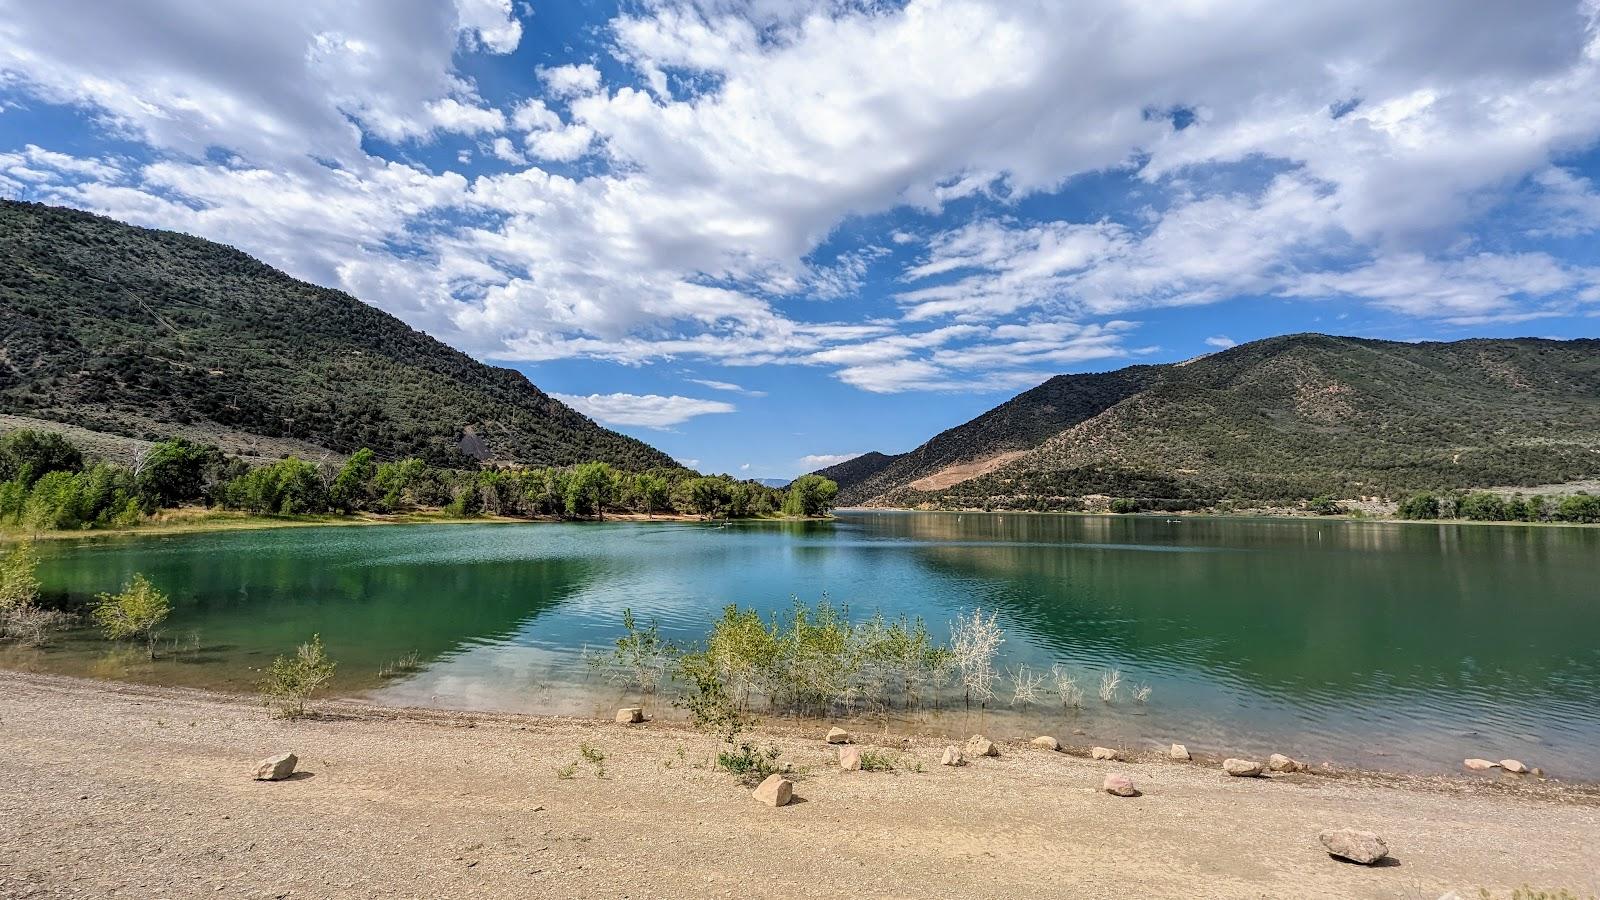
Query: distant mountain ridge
[
  {"x": 138, "y": 332},
  {"x": 1289, "y": 417}
]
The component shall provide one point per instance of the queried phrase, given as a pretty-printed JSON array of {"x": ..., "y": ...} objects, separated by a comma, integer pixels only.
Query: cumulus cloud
[
  {"x": 741, "y": 162},
  {"x": 648, "y": 410}
]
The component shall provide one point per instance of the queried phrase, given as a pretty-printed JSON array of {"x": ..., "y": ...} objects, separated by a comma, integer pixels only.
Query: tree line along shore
[{"x": 49, "y": 484}]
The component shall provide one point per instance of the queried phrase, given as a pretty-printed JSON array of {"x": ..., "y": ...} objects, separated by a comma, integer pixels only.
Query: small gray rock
[
  {"x": 952, "y": 756},
  {"x": 1513, "y": 766},
  {"x": 837, "y": 735},
  {"x": 1179, "y": 751},
  {"x": 1104, "y": 753},
  {"x": 1046, "y": 742},
  {"x": 1277, "y": 762},
  {"x": 276, "y": 768},
  {"x": 1362, "y": 847}
]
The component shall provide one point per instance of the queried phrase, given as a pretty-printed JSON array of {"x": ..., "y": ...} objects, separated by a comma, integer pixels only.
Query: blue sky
[{"x": 766, "y": 235}]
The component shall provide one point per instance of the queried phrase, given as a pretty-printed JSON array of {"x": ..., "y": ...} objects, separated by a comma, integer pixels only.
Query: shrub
[
  {"x": 974, "y": 643},
  {"x": 749, "y": 763},
  {"x": 1124, "y": 505},
  {"x": 31, "y": 625},
  {"x": 291, "y": 681},
  {"x": 1419, "y": 506},
  {"x": 1324, "y": 506},
  {"x": 1579, "y": 508},
  {"x": 19, "y": 582},
  {"x": 1482, "y": 506},
  {"x": 134, "y": 612}
]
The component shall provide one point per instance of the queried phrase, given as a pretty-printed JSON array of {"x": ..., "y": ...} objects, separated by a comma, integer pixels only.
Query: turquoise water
[{"x": 1392, "y": 646}]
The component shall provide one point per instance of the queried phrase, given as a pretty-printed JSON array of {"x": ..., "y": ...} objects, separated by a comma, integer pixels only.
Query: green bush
[
  {"x": 134, "y": 612},
  {"x": 293, "y": 680},
  {"x": 1419, "y": 506}
]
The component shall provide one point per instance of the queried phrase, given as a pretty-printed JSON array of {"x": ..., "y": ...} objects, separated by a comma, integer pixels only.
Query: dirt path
[{"x": 118, "y": 791}]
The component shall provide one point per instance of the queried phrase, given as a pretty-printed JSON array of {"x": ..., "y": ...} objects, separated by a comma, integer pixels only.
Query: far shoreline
[{"x": 1196, "y": 514}]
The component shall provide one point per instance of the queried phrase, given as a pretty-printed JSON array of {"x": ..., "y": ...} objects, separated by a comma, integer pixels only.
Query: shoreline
[
  {"x": 1193, "y": 514},
  {"x": 145, "y": 791},
  {"x": 199, "y": 521}
]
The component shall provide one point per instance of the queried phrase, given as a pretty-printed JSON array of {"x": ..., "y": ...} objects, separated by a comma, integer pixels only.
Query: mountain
[
  {"x": 142, "y": 333},
  {"x": 1288, "y": 417}
]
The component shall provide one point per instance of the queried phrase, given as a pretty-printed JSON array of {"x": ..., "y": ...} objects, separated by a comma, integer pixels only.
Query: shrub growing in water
[
  {"x": 134, "y": 612},
  {"x": 293, "y": 680}
]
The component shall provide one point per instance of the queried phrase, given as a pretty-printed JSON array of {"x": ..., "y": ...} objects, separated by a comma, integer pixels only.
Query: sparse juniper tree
[{"x": 134, "y": 612}]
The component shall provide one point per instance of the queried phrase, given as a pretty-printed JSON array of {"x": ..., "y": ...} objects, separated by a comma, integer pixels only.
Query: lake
[{"x": 1402, "y": 647}]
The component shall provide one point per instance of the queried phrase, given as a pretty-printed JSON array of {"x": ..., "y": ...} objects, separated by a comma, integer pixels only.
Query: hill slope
[
  {"x": 1287, "y": 417},
  {"x": 147, "y": 333}
]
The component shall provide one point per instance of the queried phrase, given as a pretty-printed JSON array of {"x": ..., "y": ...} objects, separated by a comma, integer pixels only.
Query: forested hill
[
  {"x": 1296, "y": 416},
  {"x": 147, "y": 333}
]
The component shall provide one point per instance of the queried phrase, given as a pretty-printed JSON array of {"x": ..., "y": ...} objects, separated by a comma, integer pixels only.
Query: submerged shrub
[
  {"x": 19, "y": 581},
  {"x": 293, "y": 680},
  {"x": 134, "y": 612},
  {"x": 974, "y": 644}
]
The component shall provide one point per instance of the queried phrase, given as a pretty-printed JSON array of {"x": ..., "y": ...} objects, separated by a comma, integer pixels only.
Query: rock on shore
[
  {"x": 276, "y": 768},
  {"x": 1362, "y": 847},
  {"x": 775, "y": 791},
  {"x": 1241, "y": 768}
]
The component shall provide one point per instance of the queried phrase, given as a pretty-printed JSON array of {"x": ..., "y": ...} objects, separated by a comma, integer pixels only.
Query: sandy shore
[{"x": 111, "y": 790}]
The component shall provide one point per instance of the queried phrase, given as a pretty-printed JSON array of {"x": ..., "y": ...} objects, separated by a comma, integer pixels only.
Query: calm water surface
[{"x": 1403, "y": 647}]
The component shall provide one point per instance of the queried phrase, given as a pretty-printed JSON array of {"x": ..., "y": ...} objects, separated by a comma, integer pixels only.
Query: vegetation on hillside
[
  {"x": 148, "y": 333},
  {"x": 53, "y": 487},
  {"x": 1285, "y": 419}
]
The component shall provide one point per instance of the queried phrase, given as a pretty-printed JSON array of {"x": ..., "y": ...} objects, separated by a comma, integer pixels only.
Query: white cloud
[
  {"x": 1221, "y": 341},
  {"x": 571, "y": 80},
  {"x": 648, "y": 410},
  {"x": 728, "y": 386},
  {"x": 823, "y": 460},
  {"x": 687, "y": 231}
]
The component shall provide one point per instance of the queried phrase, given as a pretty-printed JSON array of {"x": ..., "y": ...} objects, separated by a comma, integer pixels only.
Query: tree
[
  {"x": 810, "y": 495},
  {"x": 654, "y": 493},
  {"x": 28, "y": 454},
  {"x": 1419, "y": 506},
  {"x": 1579, "y": 508},
  {"x": 136, "y": 611},
  {"x": 705, "y": 495},
  {"x": 1482, "y": 506},
  {"x": 352, "y": 487},
  {"x": 174, "y": 472},
  {"x": 592, "y": 486},
  {"x": 291, "y": 681}
]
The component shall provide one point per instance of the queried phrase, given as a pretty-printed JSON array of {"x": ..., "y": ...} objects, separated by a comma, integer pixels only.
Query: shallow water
[{"x": 1393, "y": 646}]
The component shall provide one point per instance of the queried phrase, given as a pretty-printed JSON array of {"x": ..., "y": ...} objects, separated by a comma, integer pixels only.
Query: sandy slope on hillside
[{"x": 121, "y": 791}]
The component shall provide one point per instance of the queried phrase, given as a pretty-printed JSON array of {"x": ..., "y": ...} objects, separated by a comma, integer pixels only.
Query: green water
[{"x": 1403, "y": 647}]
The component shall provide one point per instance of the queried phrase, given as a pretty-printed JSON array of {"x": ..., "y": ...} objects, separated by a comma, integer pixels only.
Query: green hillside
[
  {"x": 145, "y": 333},
  {"x": 1290, "y": 417}
]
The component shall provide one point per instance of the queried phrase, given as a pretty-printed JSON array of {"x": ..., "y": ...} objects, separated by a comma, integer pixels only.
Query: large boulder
[
  {"x": 1046, "y": 742},
  {"x": 1277, "y": 762},
  {"x": 837, "y": 735},
  {"x": 1120, "y": 785},
  {"x": 952, "y": 756},
  {"x": 850, "y": 759},
  {"x": 630, "y": 715},
  {"x": 775, "y": 791},
  {"x": 1241, "y": 768},
  {"x": 1104, "y": 753},
  {"x": 981, "y": 746},
  {"x": 1179, "y": 751},
  {"x": 1362, "y": 847},
  {"x": 276, "y": 768}
]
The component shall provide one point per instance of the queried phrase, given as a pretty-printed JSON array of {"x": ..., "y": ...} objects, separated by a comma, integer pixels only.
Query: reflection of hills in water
[
  {"x": 1304, "y": 610},
  {"x": 252, "y": 596}
]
